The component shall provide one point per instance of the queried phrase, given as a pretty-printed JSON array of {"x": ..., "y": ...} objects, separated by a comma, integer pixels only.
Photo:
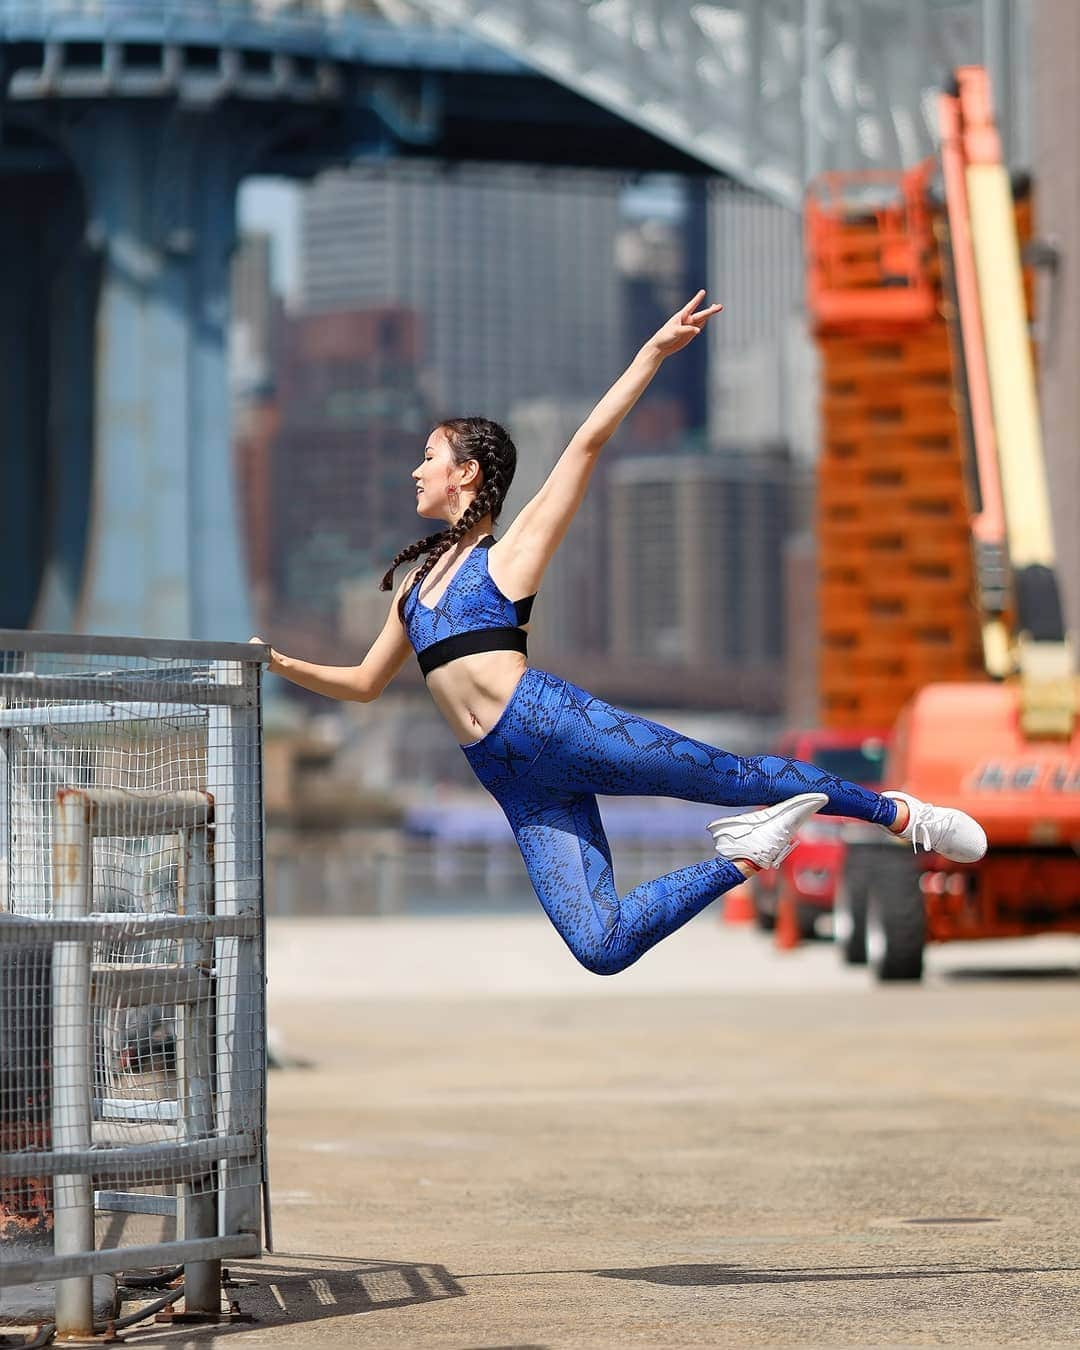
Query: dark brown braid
[{"x": 490, "y": 445}]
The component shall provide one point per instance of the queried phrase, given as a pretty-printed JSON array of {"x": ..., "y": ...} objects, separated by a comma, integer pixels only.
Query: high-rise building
[
  {"x": 571, "y": 612},
  {"x": 510, "y": 268},
  {"x": 352, "y": 427},
  {"x": 254, "y": 326},
  {"x": 573, "y": 616},
  {"x": 660, "y": 270},
  {"x": 763, "y": 377},
  {"x": 253, "y": 311},
  {"x": 255, "y": 429},
  {"x": 697, "y": 558}
]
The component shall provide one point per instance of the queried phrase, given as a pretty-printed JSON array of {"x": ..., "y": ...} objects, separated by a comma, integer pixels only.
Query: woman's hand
[
  {"x": 274, "y": 656},
  {"x": 682, "y": 327}
]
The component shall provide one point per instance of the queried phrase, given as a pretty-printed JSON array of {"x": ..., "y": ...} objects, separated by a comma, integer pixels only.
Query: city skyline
[
  {"x": 274, "y": 206},
  {"x": 459, "y": 253}
]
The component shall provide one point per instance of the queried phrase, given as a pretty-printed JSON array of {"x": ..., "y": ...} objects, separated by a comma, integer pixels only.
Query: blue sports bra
[{"x": 472, "y": 615}]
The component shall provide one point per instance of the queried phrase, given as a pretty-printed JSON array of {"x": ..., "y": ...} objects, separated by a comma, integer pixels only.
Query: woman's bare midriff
[{"x": 472, "y": 691}]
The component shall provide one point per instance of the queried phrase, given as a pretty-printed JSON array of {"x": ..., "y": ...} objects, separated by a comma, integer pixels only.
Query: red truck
[{"x": 810, "y": 873}]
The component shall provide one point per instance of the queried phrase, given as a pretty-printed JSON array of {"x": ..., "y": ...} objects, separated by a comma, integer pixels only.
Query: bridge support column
[
  {"x": 69, "y": 432},
  {"x": 24, "y": 345},
  {"x": 163, "y": 554}
]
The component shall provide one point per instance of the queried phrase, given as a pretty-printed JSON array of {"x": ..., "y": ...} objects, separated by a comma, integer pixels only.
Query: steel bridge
[{"x": 126, "y": 127}]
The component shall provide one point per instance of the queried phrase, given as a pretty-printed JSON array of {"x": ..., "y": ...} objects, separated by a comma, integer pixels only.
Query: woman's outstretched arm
[
  {"x": 356, "y": 684},
  {"x": 602, "y": 423},
  {"x": 528, "y": 544}
]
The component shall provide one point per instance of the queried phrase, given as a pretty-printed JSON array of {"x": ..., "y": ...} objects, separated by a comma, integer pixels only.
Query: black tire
[
  {"x": 763, "y": 917},
  {"x": 766, "y": 921},
  {"x": 895, "y": 918},
  {"x": 806, "y": 916},
  {"x": 849, "y": 905}
]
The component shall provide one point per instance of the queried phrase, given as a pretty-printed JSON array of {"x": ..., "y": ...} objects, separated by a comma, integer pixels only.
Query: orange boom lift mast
[{"x": 1006, "y": 749}]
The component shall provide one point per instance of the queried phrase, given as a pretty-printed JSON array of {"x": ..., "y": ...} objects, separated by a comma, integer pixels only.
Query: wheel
[
  {"x": 766, "y": 920},
  {"x": 806, "y": 916},
  {"x": 849, "y": 906},
  {"x": 895, "y": 919},
  {"x": 764, "y": 917}
]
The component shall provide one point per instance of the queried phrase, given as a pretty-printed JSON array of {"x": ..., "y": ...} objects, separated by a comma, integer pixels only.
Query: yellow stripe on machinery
[{"x": 1048, "y": 698}]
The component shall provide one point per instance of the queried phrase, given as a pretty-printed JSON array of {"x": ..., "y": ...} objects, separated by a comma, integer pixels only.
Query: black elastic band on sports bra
[{"x": 468, "y": 644}]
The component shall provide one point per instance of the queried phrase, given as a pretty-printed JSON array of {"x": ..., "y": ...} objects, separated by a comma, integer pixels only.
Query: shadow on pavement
[
  {"x": 712, "y": 1275},
  {"x": 1028, "y": 973},
  {"x": 298, "y": 1289}
]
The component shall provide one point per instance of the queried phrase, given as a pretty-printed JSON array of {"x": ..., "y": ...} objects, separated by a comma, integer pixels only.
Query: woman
[{"x": 542, "y": 747}]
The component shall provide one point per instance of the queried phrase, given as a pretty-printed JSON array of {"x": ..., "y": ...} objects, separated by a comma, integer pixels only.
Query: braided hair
[{"x": 490, "y": 445}]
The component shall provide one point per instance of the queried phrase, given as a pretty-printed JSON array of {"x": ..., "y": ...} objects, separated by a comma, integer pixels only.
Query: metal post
[
  {"x": 233, "y": 777},
  {"x": 72, "y": 1059},
  {"x": 199, "y": 1197}
]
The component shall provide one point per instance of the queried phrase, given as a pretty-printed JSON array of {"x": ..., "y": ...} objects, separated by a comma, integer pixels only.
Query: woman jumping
[{"x": 544, "y": 748}]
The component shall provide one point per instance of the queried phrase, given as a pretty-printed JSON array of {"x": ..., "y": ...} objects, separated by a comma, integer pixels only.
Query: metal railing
[{"x": 132, "y": 1019}]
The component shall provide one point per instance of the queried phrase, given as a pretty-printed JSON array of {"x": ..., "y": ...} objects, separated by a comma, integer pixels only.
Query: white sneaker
[
  {"x": 941, "y": 829},
  {"x": 765, "y": 837}
]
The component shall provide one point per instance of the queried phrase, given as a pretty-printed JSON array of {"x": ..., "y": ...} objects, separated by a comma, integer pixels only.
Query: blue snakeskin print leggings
[{"x": 555, "y": 746}]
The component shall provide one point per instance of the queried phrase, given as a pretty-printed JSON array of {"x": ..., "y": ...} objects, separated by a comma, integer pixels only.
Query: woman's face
[{"x": 436, "y": 477}]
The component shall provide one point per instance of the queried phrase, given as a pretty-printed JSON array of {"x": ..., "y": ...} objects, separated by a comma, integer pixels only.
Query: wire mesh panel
[{"x": 132, "y": 1024}]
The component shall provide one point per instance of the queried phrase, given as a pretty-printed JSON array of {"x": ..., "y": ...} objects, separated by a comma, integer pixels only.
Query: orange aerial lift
[
  {"x": 895, "y": 567},
  {"x": 1004, "y": 748}
]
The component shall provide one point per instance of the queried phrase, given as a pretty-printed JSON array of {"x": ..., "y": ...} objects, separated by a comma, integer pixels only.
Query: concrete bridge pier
[{"x": 162, "y": 549}]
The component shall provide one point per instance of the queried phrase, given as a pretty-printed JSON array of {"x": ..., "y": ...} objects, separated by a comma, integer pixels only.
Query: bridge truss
[{"x": 770, "y": 92}]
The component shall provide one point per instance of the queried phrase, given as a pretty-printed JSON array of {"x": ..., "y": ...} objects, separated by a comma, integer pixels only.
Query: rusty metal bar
[{"x": 126, "y": 813}]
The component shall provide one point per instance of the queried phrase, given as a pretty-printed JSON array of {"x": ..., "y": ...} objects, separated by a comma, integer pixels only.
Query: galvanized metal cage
[{"x": 132, "y": 1012}]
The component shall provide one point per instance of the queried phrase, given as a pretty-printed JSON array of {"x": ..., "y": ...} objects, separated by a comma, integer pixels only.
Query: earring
[{"x": 453, "y": 496}]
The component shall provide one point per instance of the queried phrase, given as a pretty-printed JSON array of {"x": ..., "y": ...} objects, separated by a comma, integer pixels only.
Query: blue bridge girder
[{"x": 412, "y": 89}]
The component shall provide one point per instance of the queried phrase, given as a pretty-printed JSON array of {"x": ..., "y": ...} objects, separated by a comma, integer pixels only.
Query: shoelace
[{"x": 921, "y": 819}]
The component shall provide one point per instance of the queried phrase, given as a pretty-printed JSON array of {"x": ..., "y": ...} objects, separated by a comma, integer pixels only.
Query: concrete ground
[{"x": 725, "y": 1146}]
